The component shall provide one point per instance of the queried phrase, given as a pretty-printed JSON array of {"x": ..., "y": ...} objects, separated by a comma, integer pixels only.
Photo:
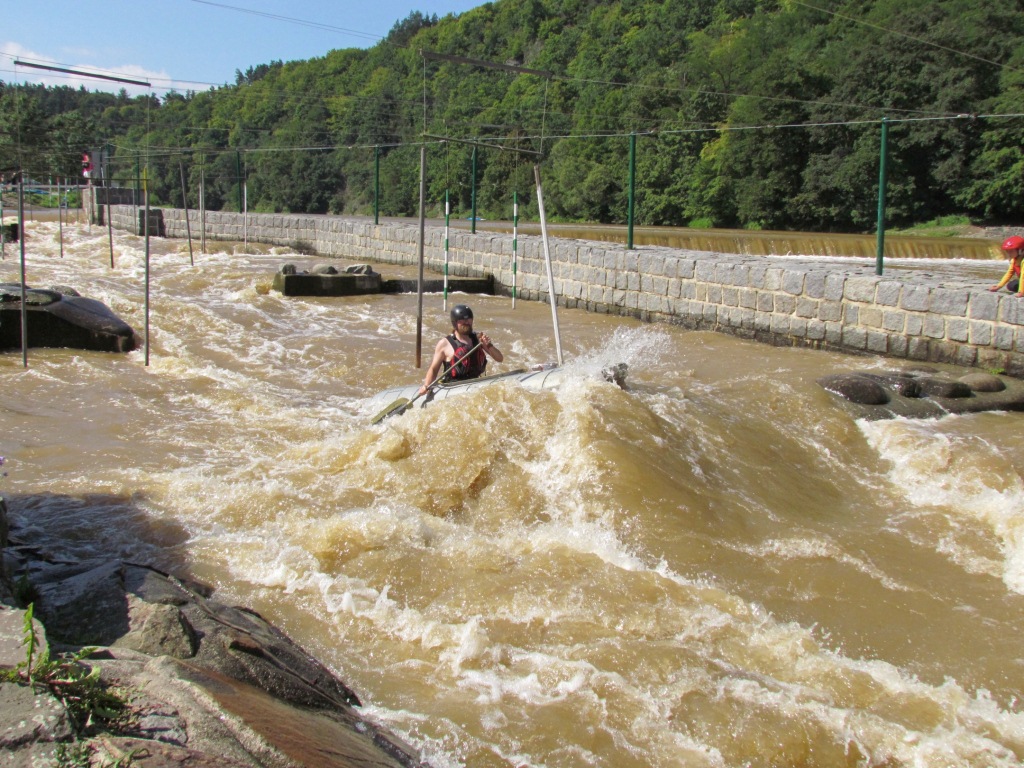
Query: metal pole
[
  {"x": 419, "y": 282},
  {"x": 376, "y": 185},
  {"x": 184, "y": 203},
  {"x": 21, "y": 241},
  {"x": 238, "y": 176},
  {"x": 145, "y": 192},
  {"x": 245, "y": 217},
  {"x": 515, "y": 243},
  {"x": 3, "y": 232},
  {"x": 632, "y": 190},
  {"x": 882, "y": 163},
  {"x": 60, "y": 219},
  {"x": 202, "y": 205},
  {"x": 447, "y": 212},
  {"x": 105, "y": 173},
  {"x": 552, "y": 298},
  {"x": 472, "y": 194}
]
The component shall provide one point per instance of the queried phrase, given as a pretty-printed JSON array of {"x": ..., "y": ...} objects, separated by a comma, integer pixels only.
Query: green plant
[{"x": 75, "y": 683}]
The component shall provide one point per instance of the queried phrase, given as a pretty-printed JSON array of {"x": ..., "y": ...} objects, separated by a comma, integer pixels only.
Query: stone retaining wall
[{"x": 839, "y": 305}]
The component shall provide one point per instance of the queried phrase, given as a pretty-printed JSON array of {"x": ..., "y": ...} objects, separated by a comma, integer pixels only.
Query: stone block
[
  {"x": 980, "y": 333},
  {"x": 815, "y": 330},
  {"x": 894, "y": 321},
  {"x": 835, "y": 286},
  {"x": 855, "y": 338},
  {"x": 814, "y": 285},
  {"x": 830, "y": 311},
  {"x": 934, "y": 327},
  {"x": 785, "y": 304},
  {"x": 915, "y": 298},
  {"x": 780, "y": 325},
  {"x": 898, "y": 345},
  {"x": 747, "y": 298},
  {"x": 834, "y": 333},
  {"x": 860, "y": 289},
  {"x": 806, "y": 307},
  {"x": 870, "y": 317},
  {"x": 793, "y": 282},
  {"x": 1003, "y": 337},
  {"x": 888, "y": 293},
  {"x": 877, "y": 342},
  {"x": 950, "y": 301},
  {"x": 956, "y": 329}
]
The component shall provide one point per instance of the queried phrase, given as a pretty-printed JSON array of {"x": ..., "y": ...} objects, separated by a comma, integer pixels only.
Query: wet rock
[
  {"x": 360, "y": 269},
  {"x": 324, "y": 269},
  {"x": 932, "y": 386},
  {"x": 856, "y": 388},
  {"x": 983, "y": 382},
  {"x": 209, "y": 684},
  {"x": 920, "y": 392},
  {"x": 87, "y": 608}
]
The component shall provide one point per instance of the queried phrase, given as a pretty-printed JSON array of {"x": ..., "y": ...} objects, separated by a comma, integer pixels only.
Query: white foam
[{"x": 937, "y": 467}]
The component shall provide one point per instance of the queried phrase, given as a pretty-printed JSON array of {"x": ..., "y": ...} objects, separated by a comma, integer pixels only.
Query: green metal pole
[
  {"x": 376, "y": 185},
  {"x": 472, "y": 193},
  {"x": 882, "y": 162},
  {"x": 632, "y": 190}
]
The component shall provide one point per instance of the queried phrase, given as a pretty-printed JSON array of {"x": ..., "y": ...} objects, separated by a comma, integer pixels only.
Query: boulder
[{"x": 856, "y": 388}]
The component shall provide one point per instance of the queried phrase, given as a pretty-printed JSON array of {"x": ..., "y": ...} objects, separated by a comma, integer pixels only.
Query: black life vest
[{"x": 464, "y": 365}]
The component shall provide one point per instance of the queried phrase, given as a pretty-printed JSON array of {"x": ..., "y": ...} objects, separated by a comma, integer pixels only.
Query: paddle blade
[{"x": 395, "y": 409}]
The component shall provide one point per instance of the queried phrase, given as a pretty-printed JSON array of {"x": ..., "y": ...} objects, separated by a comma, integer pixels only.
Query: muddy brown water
[{"x": 719, "y": 566}]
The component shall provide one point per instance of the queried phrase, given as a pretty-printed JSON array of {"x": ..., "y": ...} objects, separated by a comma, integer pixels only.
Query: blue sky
[{"x": 187, "y": 44}]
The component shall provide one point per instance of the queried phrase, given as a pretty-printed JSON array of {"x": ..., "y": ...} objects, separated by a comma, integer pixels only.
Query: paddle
[{"x": 402, "y": 404}]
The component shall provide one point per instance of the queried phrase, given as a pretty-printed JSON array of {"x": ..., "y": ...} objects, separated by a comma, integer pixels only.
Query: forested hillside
[{"x": 748, "y": 113}]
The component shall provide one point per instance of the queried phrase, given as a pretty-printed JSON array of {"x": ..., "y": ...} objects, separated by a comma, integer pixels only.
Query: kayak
[{"x": 547, "y": 376}]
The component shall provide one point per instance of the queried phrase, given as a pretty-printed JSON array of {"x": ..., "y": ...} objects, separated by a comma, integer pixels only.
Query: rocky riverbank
[{"x": 177, "y": 678}]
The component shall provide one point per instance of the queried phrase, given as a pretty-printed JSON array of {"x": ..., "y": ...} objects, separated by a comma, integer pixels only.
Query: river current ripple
[{"x": 718, "y": 566}]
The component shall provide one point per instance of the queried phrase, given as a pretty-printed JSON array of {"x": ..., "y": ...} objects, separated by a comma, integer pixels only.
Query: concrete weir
[{"x": 920, "y": 314}]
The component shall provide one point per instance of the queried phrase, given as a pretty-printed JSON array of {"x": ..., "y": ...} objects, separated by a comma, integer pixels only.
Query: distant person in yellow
[
  {"x": 463, "y": 355},
  {"x": 1013, "y": 247}
]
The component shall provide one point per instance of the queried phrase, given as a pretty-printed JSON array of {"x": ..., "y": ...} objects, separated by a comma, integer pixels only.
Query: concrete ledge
[{"x": 326, "y": 285}]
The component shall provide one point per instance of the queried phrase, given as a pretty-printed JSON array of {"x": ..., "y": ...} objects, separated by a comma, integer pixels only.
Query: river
[{"x": 718, "y": 566}]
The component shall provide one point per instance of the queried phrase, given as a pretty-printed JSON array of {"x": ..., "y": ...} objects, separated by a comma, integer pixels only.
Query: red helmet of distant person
[{"x": 1014, "y": 243}]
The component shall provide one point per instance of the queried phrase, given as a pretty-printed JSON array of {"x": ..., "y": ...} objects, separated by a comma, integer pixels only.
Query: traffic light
[{"x": 86, "y": 165}]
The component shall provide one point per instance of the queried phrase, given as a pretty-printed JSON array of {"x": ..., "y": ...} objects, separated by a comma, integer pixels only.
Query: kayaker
[
  {"x": 458, "y": 353},
  {"x": 1013, "y": 248}
]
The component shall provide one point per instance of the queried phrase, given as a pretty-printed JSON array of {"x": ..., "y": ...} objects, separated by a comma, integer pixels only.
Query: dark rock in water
[
  {"x": 324, "y": 269},
  {"x": 56, "y": 319},
  {"x": 983, "y": 382},
  {"x": 932, "y": 386},
  {"x": 901, "y": 383},
  {"x": 856, "y": 388},
  {"x": 920, "y": 393},
  {"x": 360, "y": 269},
  {"x": 289, "y": 269}
]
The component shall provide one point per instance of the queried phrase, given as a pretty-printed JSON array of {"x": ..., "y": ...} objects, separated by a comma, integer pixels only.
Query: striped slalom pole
[
  {"x": 515, "y": 243},
  {"x": 447, "y": 212}
]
